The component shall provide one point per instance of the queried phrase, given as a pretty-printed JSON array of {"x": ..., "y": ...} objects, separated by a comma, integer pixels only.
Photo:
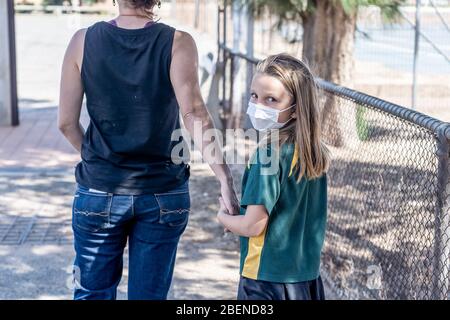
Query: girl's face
[{"x": 270, "y": 92}]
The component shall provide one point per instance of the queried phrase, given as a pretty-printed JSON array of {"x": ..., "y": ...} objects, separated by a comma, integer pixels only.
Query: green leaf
[{"x": 293, "y": 8}]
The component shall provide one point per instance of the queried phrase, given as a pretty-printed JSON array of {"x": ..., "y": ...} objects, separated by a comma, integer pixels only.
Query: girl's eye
[
  {"x": 253, "y": 95},
  {"x": 270, "y": 99}
]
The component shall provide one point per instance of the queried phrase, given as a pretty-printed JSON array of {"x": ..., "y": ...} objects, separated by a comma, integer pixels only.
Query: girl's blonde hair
[{"x": 311, "y": 154}]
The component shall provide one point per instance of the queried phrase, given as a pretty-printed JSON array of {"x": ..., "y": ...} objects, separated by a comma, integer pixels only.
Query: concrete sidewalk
[
  {"x": 36, "y": 251},
  {"x": 37, "y": 184}
]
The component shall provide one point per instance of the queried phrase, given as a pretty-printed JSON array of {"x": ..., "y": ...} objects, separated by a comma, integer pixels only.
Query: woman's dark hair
[{"x": 145, "y": 5}]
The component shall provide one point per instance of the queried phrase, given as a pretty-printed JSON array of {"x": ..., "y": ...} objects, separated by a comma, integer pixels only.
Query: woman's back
[
  {"x": 130, "y": 75},
  {"x": 133, "y": 110}
]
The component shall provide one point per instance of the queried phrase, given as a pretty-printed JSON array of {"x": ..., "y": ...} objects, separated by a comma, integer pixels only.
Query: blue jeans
[{"x": 103, "y": 222}]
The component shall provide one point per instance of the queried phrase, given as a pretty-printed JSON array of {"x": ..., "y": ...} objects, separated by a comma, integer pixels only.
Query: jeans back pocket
[
  {"x": 91, "y": 211},
  {"x": 174, "y": 208}
]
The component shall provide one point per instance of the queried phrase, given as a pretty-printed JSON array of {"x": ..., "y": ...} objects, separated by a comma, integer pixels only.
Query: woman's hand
[
  {"x": 252, "y": 224},
  {"x": 229, "y": 197},
  {"x": 184, "y": 78},
  {"x": 222, "y": 211}
]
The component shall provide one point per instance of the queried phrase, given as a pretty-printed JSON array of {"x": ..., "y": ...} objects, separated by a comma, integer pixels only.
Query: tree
[{"x": 328, "y": 37}]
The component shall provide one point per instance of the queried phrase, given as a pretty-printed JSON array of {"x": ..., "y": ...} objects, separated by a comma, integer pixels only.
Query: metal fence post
[
  {"x": 9, "y": 113},
  {"x": 173, "y": 8},
  {"x": 219, "y": 23},
  {"x": 231, "y": 115},
  {"x": 13, "y": 68},
  {"x": 250, "y": 52},
  {"x": 441, "y": 269},
  {"x": 224, "y": 65},
  {"x": 416, "y": 54},
  {"x": 237, "y": 88},
  {"x": 421, "y": 211},
  {"x": 197, "y": 13}
]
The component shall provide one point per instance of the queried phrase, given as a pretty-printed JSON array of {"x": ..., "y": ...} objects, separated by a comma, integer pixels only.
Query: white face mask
[{"x": 265, "y": 118}]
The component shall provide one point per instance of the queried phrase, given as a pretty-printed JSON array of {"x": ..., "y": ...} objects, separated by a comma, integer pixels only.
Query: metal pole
[
  {"x": 427, "y": 39},
  {"x": 219, "y": 21},
  {"x": 416, "y": 54},
  {"x": 230, "y": 103},
  {"x": 13, "y": 68},
  {"x": 173, "y": 8},
  {"x": 9, "y": 112},
  {"x": 236, "y": 87},
  {"x": 439, "y": 15},
  {"x": 224, "y": 66},
  {"x": 249, "y": 53},
  {"x": 197, "y": 13},
  {"x": 441, "y": 257}
]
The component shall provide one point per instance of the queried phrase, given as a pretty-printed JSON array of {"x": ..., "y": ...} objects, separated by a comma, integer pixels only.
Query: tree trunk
[{"x": 328, "y": 43}]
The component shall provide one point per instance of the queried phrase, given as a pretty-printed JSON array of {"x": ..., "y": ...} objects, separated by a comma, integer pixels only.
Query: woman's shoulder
[
  {"x": 182, "y": 37},
  {"x": 80, "y": 34},
  {"x": 76, "y": 45},
  {"x": 184, "y": 44}
]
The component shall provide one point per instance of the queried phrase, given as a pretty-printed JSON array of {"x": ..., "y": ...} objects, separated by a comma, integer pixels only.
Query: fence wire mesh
[
  {"x": 388, "y": 228},
  {"x": 384, "y": 49},
  {"x": 388, "y": 233}
]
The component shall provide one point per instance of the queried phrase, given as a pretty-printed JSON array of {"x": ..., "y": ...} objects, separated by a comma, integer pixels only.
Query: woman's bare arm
[
  {"x": 71, "y": 92},
  {"x": 184, "y": 77}
]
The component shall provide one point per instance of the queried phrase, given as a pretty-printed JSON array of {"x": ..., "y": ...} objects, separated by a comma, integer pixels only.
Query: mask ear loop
[
  {"x": 293, "y": 112},
  {"x": 287, "y": 108},
  {"x": 290, "y": 114}
]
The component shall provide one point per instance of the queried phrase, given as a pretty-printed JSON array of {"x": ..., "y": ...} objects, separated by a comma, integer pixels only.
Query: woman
[{"x": 138, "y": 74}]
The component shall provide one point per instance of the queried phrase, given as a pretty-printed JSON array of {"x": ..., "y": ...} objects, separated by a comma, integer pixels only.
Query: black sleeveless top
[{"x": 133, "y": 111}]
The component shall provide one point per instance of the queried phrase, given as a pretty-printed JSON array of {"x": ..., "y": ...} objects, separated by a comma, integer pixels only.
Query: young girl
[{"x": 283, "y": 212}]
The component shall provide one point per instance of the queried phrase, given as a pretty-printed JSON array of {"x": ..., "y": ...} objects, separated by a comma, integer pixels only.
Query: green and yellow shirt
[{"x": 289, "y": 249}]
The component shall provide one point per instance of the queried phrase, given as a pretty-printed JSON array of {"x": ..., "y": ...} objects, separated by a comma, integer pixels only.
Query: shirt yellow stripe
[
  {"x": 294, "y": 160},
  {"x": 253, "y": 259}
]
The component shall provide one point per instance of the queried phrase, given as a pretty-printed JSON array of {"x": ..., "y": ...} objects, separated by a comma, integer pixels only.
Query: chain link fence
[
  {"x": 384, "y": 49},
  {"x": 385, "y": 54},
  {"x": 388, "y": 231},
  {"x": 389, "y": 195}
]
